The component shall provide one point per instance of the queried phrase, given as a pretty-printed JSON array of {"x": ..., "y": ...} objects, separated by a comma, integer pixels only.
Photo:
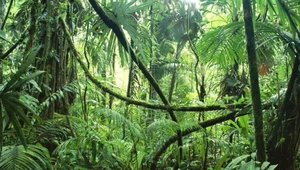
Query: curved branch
[
  {"x": 234, "y": 114},
  {"x": 138, "y": 102},
  {"x": 116, "y": 29},
  {"x": 202, "y": 125}
]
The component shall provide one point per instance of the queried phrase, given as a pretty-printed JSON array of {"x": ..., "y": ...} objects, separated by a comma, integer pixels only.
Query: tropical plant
[
  {"x": 113, "y": 85},
  {"x": 31, "y": 157}
]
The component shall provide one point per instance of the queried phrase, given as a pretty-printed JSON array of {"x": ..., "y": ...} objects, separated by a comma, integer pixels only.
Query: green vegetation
[{"x": 136, "y": 85}]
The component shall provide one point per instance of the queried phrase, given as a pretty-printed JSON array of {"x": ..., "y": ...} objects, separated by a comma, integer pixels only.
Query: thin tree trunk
[
  {"x": 2, "y": 11},
  {"x": 254, "y": 82}
]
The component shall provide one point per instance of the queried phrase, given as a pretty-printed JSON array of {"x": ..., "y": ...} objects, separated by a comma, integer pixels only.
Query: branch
[
  {"x": 172, "y": 139},
  {"x": 138, "y": 102},
  {"x": 116, "y": 29},
  {"x": 118, "y": 32},
  {"x": 7, "y": 13},
  {"x": 202, "y": 125},
  {"x": 234, "y": 114},
  {"x": 12, "y": 48}
]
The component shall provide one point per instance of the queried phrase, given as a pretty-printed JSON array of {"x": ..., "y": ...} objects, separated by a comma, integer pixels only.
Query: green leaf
[
  {"x": 11, "y": 112},
  {"x": 280, "y": 142},
  {"x": 243, "y": 120},
  {"x": 29, "y": 60},
  {"x": 15, "y": 108},
  {"x": 140, "y": 157},
  {"x": 265, "y": 165},
  {"x": 17, "y": 157},
  {"x": 26, "y": 79},
  {"x": 139, "y": 7},
  {"x": 18, "y": 103},
  {"x": 234, "y": 124},
  {"x": 272, "y": 167},
  {"x": 169, "y": 126},
  {"x": 236, "y": 161},
  {"x": 3, "y": 37},
  {"x": 220, "y": 162}
]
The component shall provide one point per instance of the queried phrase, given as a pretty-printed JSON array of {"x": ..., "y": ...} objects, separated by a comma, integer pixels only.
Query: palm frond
[
  {"x": 52, "y": 130},
  {"x": 189, "y": 126},
  {"x": 288, "y": 15},
  {"x": 124, "y": 12},
  {"x": 53, "y": 97},
  {"x": 226, "y": 44},
  {"x": 82, "y": 149},
  {"x": 223, "y": 45},
  {"x": 15, "y": 108},
  {"x": 19, "y": 158},
  {"x": 79, "y": 143}
]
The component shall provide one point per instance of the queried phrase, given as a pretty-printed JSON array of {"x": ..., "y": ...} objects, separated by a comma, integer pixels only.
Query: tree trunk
[
  {"x": 254, "y": 83},
  {"x": 56, "y": 62},
  {"x": 283, "y": 144},
  {"x": 2, "y": 14}
]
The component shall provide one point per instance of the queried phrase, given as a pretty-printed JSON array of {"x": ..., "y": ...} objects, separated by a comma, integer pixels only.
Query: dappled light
[{"x": 138, "y": 85}]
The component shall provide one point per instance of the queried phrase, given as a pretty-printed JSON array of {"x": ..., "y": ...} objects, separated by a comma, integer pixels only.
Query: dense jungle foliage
[{"x": 149, "y": 84}]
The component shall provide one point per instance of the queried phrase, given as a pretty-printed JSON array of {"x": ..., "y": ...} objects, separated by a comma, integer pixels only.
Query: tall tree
[
  {"x": 55, "y": 57},
  {"x": 254, "y": 83}
]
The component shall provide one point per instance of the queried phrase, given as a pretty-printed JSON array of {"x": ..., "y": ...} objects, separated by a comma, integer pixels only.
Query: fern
[
  {"x": 119, "y": 119},
  {"x": 168, "y": 125},
  {"x": 19, "y": 158},
  {"x": 59, "y": 94}
]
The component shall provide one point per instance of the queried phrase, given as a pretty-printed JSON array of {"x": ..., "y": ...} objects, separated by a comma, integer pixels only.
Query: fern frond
[
  {"x": 226, "y": 44},
  {"x": 188, "y": 125},
  {"x": 119, "y": 119},
  {"x": 59, "y": 94},
  {"x": 19, "y": 158},
  {"x": 78, "y": 143},
  {"x": 169, "y": 127},
  {"x": 59, "y": 129}
]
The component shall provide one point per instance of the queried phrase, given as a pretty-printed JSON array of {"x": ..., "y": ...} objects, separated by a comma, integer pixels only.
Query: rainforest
[{"x": 149, "y": 84}]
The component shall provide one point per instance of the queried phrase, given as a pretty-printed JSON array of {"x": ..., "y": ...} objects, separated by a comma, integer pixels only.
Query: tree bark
[
  {"x": 55, "y": 61},
  {"x": 254, "y": 82},
  {"x": 284, "y": 140}
]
